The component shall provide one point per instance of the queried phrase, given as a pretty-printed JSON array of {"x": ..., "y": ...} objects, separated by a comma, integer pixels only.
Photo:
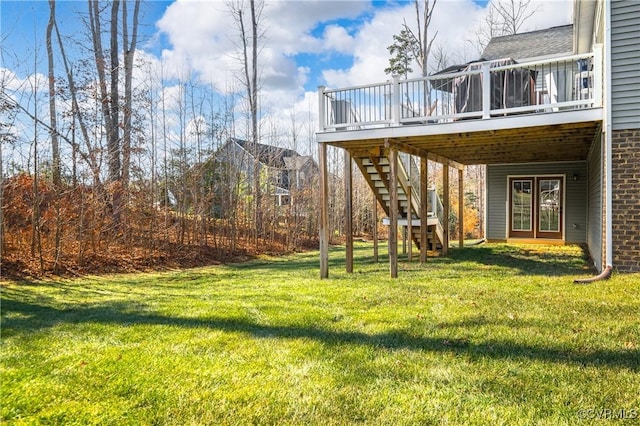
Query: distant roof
[
  {"x": 551, "y": 41},
  {"x": 296, "y": 163},
  {"x": 272, "y": 156}
]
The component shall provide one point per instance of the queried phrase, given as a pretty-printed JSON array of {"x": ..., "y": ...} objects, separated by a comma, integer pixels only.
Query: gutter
[
  {"x": 606, "y": 272},
  {"x": 609, "y": 186}
]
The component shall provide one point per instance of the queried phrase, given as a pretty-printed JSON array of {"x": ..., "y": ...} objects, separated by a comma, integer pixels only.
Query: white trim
[
  {"x": 535, "y": 178},
  {"x": 545, "y": 58},
  {"x": 607, "y": 138},
  {"x": 434, "y": 129}
]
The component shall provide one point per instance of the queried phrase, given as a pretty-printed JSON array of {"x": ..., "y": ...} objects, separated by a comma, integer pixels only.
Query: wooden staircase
[{"x": 375, "y": 169}]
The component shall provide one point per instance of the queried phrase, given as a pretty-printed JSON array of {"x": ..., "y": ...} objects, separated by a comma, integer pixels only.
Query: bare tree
[
  {"x": 129, "y": 53},
  {"x": 504, "y": 17},
  {"x": 513, "y": 14},
  {"x": 89, "y": 156},
  {"x": 52, "y": 95},
  {"x": 414, "y": 43},
  {"x": 118, "y": 169},
  {"x": 55, "y": 148},
  {"x": 108, "y": 100},
  {"x": 421, "y": 41},
  {"x": 36, "y": 228},
  {"x": 250, "y": 82}
]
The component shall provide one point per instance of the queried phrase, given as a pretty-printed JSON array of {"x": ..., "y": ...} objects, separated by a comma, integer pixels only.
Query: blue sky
[
  {"x": 336, "y": 43},
  {"x": 23, "y": 27}
]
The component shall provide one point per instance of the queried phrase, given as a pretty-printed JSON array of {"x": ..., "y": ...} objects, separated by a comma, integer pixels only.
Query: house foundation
[{"x": 625, "y": 175}]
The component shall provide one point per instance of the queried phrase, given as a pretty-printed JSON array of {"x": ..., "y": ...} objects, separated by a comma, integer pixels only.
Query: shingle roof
[
  {"x": 272, "y": 156},
  {"x": 551, "y": 41},
  {"x": 295, "y": 163}
]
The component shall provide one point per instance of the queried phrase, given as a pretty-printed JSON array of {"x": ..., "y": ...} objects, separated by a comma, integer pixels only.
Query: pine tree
[{"x": 401, "y": 52}]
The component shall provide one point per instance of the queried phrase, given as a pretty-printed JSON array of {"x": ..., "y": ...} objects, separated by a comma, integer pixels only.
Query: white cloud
[
  {"x": 204, "y": 37},
  {"x": 338, "y": 39},
  {"x": 371, "y": 56},
  {"x": 549, "y": 13},
  {"x": 204, "y": 41},
  {"x": 455, "y": 22},
  {"x": 290, "y": 23},
  {"x": 10, "y": 81}
]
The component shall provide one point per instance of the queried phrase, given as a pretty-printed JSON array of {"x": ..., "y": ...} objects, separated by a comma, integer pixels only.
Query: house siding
[
  {"x": 575, "y": 196},
  {"x": 625, "y": 134},
  {"x": 594, "y": 199},
  {"x": 625, "y": 64}
]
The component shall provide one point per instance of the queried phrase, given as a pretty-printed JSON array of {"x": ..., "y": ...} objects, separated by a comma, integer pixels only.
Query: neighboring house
[
  {"x": 284, "y": 169},
  {"x": 558, "y": 128}
]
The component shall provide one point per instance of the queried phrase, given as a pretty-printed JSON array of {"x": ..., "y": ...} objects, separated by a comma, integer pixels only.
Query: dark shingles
[
  {"x": 269, "y": 155},
  {"x": 550, "y": 41}
]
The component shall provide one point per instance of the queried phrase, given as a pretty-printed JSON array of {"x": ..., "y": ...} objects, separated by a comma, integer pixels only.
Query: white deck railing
[{"x": 557, "y": 84}]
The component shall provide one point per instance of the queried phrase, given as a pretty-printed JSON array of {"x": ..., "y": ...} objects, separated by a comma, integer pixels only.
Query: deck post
[
  {"x": 348, "y": 210},
  {"x": 324, "y": 212},
  {"x": 404, "y": 239},
  {"x": 375, "y": 228},
  {"x": 424, "y": 209},
  {"x": 597, "y": 74},
  {"x": 321, "y": 110},
  {"x": 409, "y": 223},
  {"x": 393, "y": 212},
  {"x": 486, "y": 90},
  {"x": 395, "y": 101},
  {"x": 460, "y": 208},
  {"x": 445, "y": 205}
]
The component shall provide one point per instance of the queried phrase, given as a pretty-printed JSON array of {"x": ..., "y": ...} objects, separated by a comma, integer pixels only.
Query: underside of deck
[{"x": 560, "y": 136}]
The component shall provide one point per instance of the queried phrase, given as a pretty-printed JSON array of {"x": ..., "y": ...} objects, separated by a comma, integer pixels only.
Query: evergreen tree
[{"x": 401, "y": 52}]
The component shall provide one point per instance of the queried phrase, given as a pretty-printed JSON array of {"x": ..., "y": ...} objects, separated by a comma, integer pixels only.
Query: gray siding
[
  {"x": 594, "y": 197},
  {"x": 575, "y": 196},
  {"x": 625, "y": 64},
  {"x": 496, "y": 202}
]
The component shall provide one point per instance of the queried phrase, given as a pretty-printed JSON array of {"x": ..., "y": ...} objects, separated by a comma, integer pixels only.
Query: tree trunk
[
  {"x": 129, "y": 53},
  {"x": 55, "y": 149},
  {"x": 109, "y": 100}
]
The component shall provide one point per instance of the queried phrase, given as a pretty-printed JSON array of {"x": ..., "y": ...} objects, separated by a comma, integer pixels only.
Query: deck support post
[
  {"x": 445, "y": 205},
  {"x": 460, "y": 208},
  {"x": 393, "y": 212},
  {"x": 424, "y": 209},
  {"x": 403, "y": 231},
  {"x": 324, "y": 212},
  {"x": 375, "y": 228},
  {"x": 409, "y": 223},
  {"x": 348, "y": 210}
]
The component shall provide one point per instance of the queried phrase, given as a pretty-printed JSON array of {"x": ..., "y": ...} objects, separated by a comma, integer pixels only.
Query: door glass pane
[
  {"x": 549, "y": 208},
  {"x": 521, "y": 192}
]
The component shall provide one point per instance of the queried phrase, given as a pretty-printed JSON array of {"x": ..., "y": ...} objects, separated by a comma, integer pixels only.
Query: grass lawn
[{"x": 492, "y": 334}]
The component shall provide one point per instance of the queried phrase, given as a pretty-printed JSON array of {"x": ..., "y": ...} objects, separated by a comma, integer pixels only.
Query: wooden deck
[
  {"x": 565, "y": 136},
  {"x": 548, "y": 132}
]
